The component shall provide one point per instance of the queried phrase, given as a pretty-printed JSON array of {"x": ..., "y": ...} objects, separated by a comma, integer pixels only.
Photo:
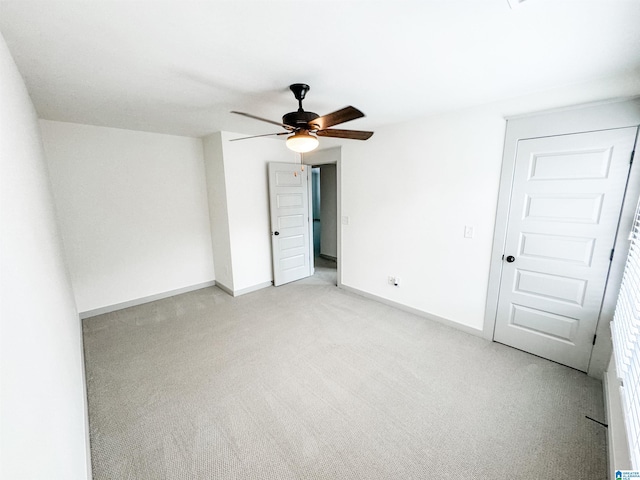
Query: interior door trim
[
  {"x": 578, "y": 119},
  {"x": 332, "y": 156}
]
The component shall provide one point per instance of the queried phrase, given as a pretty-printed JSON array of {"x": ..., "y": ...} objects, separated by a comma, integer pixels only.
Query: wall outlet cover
[{"x": 468, "y": 231}]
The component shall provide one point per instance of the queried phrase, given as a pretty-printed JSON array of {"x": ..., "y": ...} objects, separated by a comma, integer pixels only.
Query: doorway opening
[{"x": 324, "y": 207}]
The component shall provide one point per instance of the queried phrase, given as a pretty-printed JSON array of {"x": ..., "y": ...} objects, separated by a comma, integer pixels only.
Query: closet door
[{"x": 566, "y": 199}]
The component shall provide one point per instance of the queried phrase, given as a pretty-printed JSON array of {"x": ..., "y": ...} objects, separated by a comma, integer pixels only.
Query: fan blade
[
  {"x": 352, "y": 134},
  {"x": 339, "y": 116},
  {"x": 256, "y": 136},
  {"x": 288, "y": 127}
]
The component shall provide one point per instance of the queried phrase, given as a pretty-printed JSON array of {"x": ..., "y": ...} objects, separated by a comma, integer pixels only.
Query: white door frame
[
  {"x": 312, "y": 261},
  {"x": 333, "y": 156},
  {"x": 586, "y": 118}
]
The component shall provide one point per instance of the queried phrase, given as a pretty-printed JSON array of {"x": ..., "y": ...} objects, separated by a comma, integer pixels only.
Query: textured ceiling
[{"x": 180, "y": 67}]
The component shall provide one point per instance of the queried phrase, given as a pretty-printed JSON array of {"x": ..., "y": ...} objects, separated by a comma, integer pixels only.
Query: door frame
[
  {"x": 327, "y": 156},
  {"x": 564, "y": 121}
]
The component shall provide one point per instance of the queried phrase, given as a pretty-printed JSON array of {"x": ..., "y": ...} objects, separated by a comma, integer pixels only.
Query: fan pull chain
[{"x": 295, "y": 174}]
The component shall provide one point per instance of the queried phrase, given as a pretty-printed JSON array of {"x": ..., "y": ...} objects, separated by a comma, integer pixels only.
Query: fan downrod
[{"x": 299, "y": 119}]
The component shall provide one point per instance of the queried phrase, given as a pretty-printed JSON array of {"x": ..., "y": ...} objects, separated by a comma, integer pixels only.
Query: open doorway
[
  {"x": 330, "y": 224},
  {"x": 325, "y": 212},
  {"x": 324, "y": 207}
]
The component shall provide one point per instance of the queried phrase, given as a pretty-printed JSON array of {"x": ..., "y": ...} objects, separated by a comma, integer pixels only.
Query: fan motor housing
[{"x": 299, "y": 119}]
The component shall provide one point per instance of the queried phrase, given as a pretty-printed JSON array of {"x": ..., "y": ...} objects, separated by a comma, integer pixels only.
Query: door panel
[
  {"x": 565, "y": 206},
  {"x": 289, "y": 208},
  {"x": 556, "y": 248},
  {"x": 553, "y": 287},
  {"x": 545, "y": 323}
]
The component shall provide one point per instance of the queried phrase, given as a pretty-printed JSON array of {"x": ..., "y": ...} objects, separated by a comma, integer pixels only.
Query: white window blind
[{"x": 626, "y": 341}]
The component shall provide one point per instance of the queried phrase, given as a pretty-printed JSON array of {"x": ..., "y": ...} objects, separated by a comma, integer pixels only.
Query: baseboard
[
  {"x": 224, "y": 288},
  {"x": 85, "y": 403},
  {"x": 140, "y": 301},
  {"x": 243, "y": 291},
  {"x": 618, "y": 448},
  {"x": 449, "y": 323},
  {"x": 328, "y": 257}
]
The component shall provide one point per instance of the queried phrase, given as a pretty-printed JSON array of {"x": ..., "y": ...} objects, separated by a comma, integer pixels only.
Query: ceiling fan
[{"x": 304, "y": 126}]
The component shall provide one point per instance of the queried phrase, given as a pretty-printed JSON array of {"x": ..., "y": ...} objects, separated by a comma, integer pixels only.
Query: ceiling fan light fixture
[
  {"x": 304, "y": 128},
  {"x": 302, "y": 142}
]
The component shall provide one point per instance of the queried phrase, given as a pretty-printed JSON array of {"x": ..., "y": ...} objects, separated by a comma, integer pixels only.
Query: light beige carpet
[{"x": 306, "y": 381}]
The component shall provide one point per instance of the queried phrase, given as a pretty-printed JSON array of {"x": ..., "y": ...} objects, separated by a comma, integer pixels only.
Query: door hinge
[
  {"x": 594, "y": 340},
  {"x": 611, "y": 256},
  {"x": 633, "y": 154}
]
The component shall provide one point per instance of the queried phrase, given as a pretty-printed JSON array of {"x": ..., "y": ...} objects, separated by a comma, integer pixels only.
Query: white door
[
  {"x": 565, "y": 206},
  {"x": 289, "y": 208}
]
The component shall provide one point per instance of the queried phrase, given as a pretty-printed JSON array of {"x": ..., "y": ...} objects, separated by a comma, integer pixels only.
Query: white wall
[
  {"x": 408, "y": 193},
  {"x": 247, "y": 197},
  {"x": 218, "y": 211},
  {"x": 42, "y": 397},
  {"x": 245, "y": 166},
  {"x": 410, "y": 190},
  {"x": 133, "y": 211}
]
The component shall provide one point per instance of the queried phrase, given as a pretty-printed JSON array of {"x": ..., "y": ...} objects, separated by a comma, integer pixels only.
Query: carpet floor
[{"x": 307, "y": 381}]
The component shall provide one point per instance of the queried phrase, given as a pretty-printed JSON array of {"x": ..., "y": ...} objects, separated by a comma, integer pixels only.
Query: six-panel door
[
  {"x": 565, "y": 206},
  {"x": 288, "y": 196}
]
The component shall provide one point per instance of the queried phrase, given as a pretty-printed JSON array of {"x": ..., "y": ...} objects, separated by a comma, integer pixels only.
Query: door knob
[
  {"x": 511, "y": 259},
  {"x": 276, "y": 233}
]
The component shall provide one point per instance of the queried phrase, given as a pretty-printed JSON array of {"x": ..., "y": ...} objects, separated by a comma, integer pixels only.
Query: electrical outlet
[
  {"x": 468, "y": 231},
  {"x": 391, "y": 280}
]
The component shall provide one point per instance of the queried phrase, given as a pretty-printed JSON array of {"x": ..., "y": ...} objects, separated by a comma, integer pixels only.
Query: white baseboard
[
  {"x": 415, "y": 311},
  {"x": 243, "y": 291},
  {"x": 618, "y": 448},
  {"x": 171, "y": 293},
  {"x": 224, "y": 288},
  {"x": 140, "y": 301}
]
